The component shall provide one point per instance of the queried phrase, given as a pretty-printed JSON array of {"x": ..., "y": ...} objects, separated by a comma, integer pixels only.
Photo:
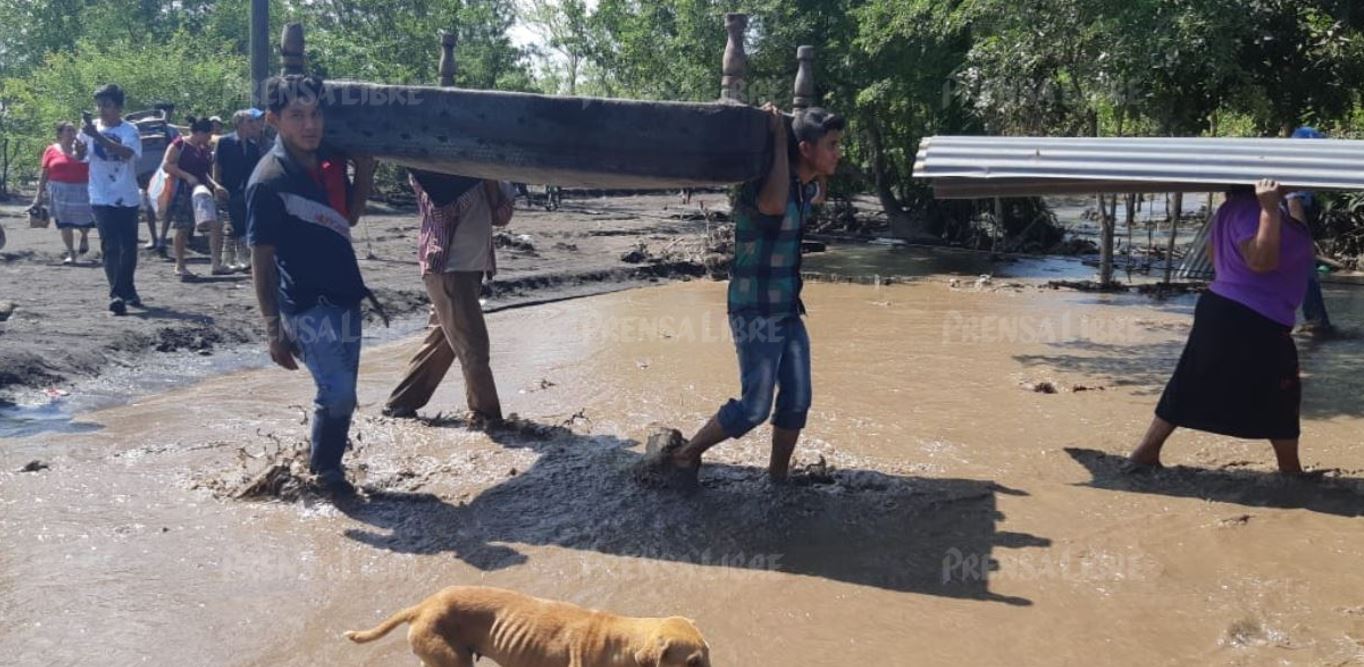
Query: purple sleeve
[{"x": 1243, "y": 223}]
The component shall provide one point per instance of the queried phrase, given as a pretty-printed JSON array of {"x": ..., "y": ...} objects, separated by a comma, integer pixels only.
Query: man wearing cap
[{"x": 234, "y": 160}]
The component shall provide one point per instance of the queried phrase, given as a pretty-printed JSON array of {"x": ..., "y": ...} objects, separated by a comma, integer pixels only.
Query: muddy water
[{"x": 968, "y": 521}]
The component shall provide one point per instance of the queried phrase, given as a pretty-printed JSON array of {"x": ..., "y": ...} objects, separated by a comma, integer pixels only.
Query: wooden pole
[
  {"x": 1107, "y": 220},
  {"x": 734, "y": 66},
  {"x": 1174, "y": 232},
  {"x": 260, "y": 50},
  {"x": 291, "y": 49},
  {"x": 447, "y": 59},
  {"x": 1131, "y": 218},
  {"x": 999, "y": 225},
  {"x": 805, "y": 78}
]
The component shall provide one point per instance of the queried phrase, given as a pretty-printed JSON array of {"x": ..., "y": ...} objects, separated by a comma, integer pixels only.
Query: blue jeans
[
  {"x": 1314, "y": 305},
  {"x": 774, "y": 358},
  {"x": 327, "y": 338},
  {"x": 118, "y": 243}
]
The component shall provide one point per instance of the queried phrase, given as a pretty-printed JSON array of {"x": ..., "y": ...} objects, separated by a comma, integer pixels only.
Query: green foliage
[
  {"x": 200, "y": 78},
  {"x": 899, "y": 69},
  {"x": 53, "y": 53}
]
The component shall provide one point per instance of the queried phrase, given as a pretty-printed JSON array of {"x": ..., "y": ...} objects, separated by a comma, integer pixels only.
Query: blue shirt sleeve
[{"x": 264, "y": 215}]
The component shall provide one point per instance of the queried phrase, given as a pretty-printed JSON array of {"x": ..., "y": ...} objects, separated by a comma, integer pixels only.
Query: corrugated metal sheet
[
  {"x": 1197, "y": 264},
  {"x": 977, "y": 167}
]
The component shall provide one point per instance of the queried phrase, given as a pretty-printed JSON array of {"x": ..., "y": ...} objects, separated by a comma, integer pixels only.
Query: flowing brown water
[{"x": 970, "y": 521}]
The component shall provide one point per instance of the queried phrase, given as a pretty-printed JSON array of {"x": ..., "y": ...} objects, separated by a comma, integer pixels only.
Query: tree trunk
[
  {"x": 901, "y": 224},
  {"x": 1174, "y": 231},
  {"x": 1131, "y": 218},
  {"x": 1106, "y": 223},
  {"x": 4, "y": 169}
]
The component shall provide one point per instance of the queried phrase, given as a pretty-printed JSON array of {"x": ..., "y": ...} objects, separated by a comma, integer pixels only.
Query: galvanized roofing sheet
[{"x": 974, "y": 167}]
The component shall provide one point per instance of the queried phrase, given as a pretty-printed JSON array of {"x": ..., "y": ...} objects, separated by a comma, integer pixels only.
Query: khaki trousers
[{"x": 456, "y": 331}]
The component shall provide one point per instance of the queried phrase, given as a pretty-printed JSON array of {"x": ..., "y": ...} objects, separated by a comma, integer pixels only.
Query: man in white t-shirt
[{"x": 113, "y": 147}]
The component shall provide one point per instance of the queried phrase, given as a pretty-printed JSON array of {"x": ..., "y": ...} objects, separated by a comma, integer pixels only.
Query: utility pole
[{"x": 260, "y": 50}]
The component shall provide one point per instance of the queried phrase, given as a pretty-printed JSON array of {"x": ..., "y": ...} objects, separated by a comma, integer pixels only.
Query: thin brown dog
[{"x": 459, "y": 624}]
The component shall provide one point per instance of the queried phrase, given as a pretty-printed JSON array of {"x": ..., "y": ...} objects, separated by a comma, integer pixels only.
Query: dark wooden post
[
  {"x": 805, "y": 78},
  {"x": 735, "y": 64},
  {"x": 291, "y": 49},
  {"x": 447, "y": 59},
  {"x": 1174, "y": 233},
  {"x": 1108, "y": 220},
  {"x": 260, "y": 50}
]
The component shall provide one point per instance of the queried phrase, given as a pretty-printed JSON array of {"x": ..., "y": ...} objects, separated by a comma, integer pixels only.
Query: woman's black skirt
[{"x": 1238, "y": 375}]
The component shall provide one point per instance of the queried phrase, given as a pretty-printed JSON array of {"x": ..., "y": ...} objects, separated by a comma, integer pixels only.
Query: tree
[{"x": 565, "y": 27}]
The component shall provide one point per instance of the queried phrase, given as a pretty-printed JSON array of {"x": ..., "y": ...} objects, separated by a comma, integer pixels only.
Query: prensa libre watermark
[
  {"x": 703, "y": 328},
  {"x": 655, "y": 563},
  {"x": 1063, "y": 565},
  {"x": 1052, "y": 328}
]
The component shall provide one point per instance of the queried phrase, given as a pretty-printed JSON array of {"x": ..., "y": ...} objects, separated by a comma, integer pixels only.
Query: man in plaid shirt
[{"x": 764, "y": 292}]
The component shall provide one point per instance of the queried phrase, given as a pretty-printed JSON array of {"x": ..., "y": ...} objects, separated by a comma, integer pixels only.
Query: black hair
[
  {"x": 199, "y": 124},
  {"x": 111, "y": 92},
  {"x": 280, "y": 91},
  {"x": 62, "y": 125},
  {"x": 164, "y": 106},
  {"x": 811, "y": 125}
]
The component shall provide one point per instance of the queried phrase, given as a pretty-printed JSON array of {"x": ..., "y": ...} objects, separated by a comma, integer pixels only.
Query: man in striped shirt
[{"x": 455, "y": 253}]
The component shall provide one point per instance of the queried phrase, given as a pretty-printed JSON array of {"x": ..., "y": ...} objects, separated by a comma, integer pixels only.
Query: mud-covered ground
[{"x": 60, "y": 331}]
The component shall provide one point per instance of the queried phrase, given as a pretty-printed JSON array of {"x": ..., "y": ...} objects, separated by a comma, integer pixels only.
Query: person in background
[
  {"x": 158, "y": 241},
  {"x": 217, "y": 123},
  {"x": 190, "y": 160},
  {"x": 1238, "y": 374},
  {"x": 455, "y": 253},
  {"x": 765, "y": 308},
  {"x": 1305, "y": 208},
  {"x": 300, "y": 211},
  {"x": 112, "y": 148},
  {"x": 233, "y": 161},
  {"x": 65, "y": 182}
]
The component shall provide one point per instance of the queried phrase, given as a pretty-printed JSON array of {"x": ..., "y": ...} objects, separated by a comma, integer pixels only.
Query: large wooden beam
[{"x": 568, "y": 141}]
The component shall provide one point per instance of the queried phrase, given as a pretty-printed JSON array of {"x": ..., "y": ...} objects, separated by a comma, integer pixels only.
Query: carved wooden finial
[
  {"x": 805, "y": 78},
  {"x": 447, "y": 59},
  {"x": 291, "y": 49},
  {"x": 735, "y": 65}
]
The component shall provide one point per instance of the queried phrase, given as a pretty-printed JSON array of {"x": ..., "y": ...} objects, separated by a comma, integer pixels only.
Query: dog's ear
[{"x": 652, "y": 656}]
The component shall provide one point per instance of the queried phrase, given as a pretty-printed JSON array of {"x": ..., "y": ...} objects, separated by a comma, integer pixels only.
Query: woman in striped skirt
[{"x": 64, "y": 182}]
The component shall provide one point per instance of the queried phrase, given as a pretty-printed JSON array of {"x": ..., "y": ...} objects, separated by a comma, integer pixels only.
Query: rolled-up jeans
[
  {"x": 774, "y": 358},
  {"x": 327, "y": 339}
]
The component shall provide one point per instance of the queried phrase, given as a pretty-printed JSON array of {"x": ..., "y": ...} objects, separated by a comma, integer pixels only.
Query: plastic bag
[{"x": 160, "y": 191}]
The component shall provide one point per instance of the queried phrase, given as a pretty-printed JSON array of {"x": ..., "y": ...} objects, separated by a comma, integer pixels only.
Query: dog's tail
[{"x": 363, "y": 636}]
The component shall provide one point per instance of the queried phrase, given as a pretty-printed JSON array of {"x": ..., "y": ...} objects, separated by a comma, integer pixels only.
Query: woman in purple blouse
[{"x": 1238, "y": 375}]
